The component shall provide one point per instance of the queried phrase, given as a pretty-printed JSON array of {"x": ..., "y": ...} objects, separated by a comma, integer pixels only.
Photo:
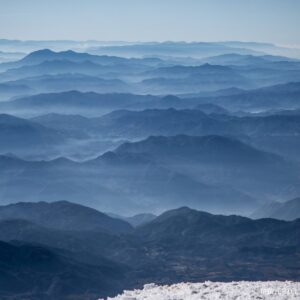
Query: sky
[{"x": 276, "y": 21}]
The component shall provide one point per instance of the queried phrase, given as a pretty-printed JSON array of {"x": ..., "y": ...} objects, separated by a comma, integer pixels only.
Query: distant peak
[
  {"x": 69, "y": 52},
  {"x": 41, "y": 52},
  {"x": 182, "y": 211}
]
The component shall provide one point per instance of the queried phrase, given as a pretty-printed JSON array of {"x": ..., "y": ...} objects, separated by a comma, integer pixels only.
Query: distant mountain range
[
  {"x": 136, "y": 220},
  {"x": 289, "y": 210},
  {"x": 246, "y": 60},
  {"x": 40, "y": 56},
  {"x": 148, "y": 74},
  {"x": 166, "y": 48},
  {"x": 193, "y": 49}
]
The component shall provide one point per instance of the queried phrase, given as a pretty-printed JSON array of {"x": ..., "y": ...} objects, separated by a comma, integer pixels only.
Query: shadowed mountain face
[{"x": 39, "y": 272}]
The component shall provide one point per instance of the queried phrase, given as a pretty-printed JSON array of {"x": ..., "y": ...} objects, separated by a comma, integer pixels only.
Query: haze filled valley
[{"x": 151, "y": 168}]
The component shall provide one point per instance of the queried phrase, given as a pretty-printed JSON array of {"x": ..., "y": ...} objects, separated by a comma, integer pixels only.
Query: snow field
[{"x": 240, "y": 290}]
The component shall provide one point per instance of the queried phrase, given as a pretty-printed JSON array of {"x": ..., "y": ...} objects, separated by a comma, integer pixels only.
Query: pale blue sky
[{"x": 275, "y": 21}]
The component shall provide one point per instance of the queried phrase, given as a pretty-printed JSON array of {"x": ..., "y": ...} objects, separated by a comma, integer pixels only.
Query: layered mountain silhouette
[
  {"x": 214, "y": 173},
  {"x": 149, "y": 74},
  {"x": 40, "y": 56},
  {"x": 276, "y": 97},
  {"x": 274, "y": 131},
  {"x": 142, "y": 162}
]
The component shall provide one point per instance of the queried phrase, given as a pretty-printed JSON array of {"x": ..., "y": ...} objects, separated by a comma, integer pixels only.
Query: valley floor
[{"x": 242, "y": 290}]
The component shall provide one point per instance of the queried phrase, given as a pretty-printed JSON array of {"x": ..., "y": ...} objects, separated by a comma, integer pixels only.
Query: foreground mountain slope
[
  {"x": 179, "y": 245},
  {"x": 189, "y": 245},
  {"x": 37, "y": 272}
]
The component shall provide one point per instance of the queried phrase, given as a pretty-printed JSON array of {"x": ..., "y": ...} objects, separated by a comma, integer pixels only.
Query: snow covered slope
[{"x": 242, "y": 290}]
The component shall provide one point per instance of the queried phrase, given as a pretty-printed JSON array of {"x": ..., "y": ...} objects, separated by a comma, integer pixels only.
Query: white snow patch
[{"x": 240, "y": 290}]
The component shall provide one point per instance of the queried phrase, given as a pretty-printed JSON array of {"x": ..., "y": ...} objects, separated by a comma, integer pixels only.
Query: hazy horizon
[
  {"x": 269, "y": 21},
  {"x": 150, "y": 41}
]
